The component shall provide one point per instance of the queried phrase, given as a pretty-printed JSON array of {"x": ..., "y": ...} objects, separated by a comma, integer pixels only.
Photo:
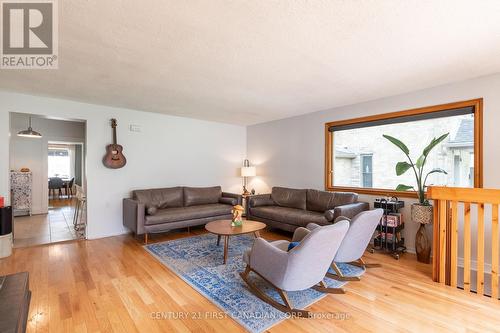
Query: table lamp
[{"x": 247, "y": 171}]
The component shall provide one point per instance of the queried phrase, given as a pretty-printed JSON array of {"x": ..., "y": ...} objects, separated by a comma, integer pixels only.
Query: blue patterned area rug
[{"x": 198, "y": 261}]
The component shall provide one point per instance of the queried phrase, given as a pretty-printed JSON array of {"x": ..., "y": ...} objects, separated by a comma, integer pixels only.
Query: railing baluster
[
  {"x": 494, "y": 253},
  {"x": 442, "y": 240},
  {"x": 454, "y": 241},
  {"x": 480, "y": 250},
  {"x": 436, "y": 231},
  {"x": 467, "y": 246},
  {"x": 446, "y": 240}
]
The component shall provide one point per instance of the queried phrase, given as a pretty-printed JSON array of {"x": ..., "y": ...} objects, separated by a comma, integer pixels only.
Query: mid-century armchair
[
  {"x": 354, "y": 243},
  {"x": 303, "y": 267}
]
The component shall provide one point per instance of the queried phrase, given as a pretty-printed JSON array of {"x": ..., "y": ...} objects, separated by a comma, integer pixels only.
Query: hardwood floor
[
  {"x": 56, "y": 226},
  {"x": 113, "y": 285}
]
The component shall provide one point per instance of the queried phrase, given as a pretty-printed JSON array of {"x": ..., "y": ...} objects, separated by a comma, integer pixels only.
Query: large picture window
[
  {"x": 359, "y": 158},
  {"x": 59, "y": 162}
]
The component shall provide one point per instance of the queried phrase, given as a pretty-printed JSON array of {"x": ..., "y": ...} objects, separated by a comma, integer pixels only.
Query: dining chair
[
  {"x": 55, "y": 183},
  {"x": 69, "y": 187}
]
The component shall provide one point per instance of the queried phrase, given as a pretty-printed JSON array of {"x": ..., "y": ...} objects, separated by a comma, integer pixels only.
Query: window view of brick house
[{"x": 363, "y": 158}]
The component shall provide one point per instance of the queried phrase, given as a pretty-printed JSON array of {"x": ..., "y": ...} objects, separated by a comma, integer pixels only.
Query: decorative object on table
[
  {"x": 114, "y": 158},
  {"x": 422, "y": 211},
  {"x": 225, "y": 228},
  {"x": 29, "y": 133},
  {"x": 192, "y": 259},
  {"x": 25, "y": 170},
  {"x": 21, "y": 188},
  {"x": 252, "y": 191},
  {"x": 237, "y": 219},
  {"x": 389, "y": 239},
  {"x": 247, "y": 171}
]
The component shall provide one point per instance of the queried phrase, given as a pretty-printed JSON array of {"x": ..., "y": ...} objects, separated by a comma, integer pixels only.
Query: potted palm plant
[{"x": 422, "y": 211}]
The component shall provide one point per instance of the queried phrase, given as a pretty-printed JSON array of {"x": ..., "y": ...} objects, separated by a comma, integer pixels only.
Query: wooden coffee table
[{"x": 224, "y": 228}]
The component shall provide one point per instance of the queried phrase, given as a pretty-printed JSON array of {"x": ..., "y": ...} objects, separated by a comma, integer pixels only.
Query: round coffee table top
[{"x": 223, "y": 227}]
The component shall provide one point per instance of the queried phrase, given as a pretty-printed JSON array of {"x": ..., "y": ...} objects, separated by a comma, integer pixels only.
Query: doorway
[{"x": 47, "y": 180}]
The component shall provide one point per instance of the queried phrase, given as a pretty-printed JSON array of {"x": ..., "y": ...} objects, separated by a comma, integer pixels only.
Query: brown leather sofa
[
  {"x": 164, "y": 209},
  {"x": 288, "y": 209}
]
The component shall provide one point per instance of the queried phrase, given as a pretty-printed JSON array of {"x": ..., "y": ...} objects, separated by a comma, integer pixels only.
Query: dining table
[{"x": 66, "y": 182}]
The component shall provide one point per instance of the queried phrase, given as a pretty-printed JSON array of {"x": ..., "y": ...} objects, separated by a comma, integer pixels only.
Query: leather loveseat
[
  {"x": 288, "y": 209},
  {"x": 164, "y": 209}
]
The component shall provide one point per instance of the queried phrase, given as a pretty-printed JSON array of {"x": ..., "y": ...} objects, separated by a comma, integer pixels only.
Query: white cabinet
[{"x": 20, "y": 188}]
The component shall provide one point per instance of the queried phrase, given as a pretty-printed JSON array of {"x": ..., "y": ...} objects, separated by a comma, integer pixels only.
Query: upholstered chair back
[
  {"x": 358, "y": 236},
  {"x": 309, "y": 261}
]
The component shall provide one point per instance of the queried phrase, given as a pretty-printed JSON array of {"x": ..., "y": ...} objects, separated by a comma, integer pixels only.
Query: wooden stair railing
[{"x": 446, "y": 235}]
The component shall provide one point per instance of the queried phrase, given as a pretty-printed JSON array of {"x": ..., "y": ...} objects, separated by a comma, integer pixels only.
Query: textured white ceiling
[{"x": 252, "y": 61}]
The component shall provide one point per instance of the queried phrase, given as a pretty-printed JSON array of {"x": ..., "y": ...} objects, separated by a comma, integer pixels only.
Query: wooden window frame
[{"x": 477, "y": 104}]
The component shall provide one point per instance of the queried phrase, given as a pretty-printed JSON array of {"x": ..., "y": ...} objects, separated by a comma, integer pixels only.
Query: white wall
[
  {"x": 32, "y": 153},
  {"x": 290, "y": 152},
  {"x": 169, "y": 151}
]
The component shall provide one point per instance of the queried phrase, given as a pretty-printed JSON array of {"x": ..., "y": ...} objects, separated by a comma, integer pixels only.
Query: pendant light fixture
[{"x": 29, "y": 133}]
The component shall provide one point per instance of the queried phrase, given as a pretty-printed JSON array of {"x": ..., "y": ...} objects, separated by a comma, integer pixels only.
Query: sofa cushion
[
  {"x": 201, "y": 195},
  {"x": 160, "y": 197},
  {"x": 320, "y": 201},
  {"x": 289, "y": 197},
  {"x": 344, "y": 198},
  {"x": 188, "y": 213},
  {"x": 288, "y": 215}
]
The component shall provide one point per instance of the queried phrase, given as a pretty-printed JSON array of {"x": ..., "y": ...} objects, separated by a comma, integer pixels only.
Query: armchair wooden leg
[
  {"x": 286, "y": 307},
  {"x": 368, "y": 265},
  {"x": 361, "y": 263},
  {"x": 285, "y": 299},
  {"x": 339, "y": 276},
  {"x": 146, "y": 238},
  {"x": 244, "y": 274},
  {"x": 323, "y": 288}
]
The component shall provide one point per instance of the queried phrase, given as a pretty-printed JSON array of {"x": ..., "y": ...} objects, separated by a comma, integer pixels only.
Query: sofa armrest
[
  {"x": 261, "y": 200},
  {"x": 349, "y": 210},
  {"x": 228, "y": 201},
  {"x": 134, "y": 215},
  {"x": 238, "y": 197}
]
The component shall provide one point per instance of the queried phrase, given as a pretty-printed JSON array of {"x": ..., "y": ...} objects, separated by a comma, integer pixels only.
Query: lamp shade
[
  {"x": 248, "y": 171},
  {"x": 29, "y": 133}
]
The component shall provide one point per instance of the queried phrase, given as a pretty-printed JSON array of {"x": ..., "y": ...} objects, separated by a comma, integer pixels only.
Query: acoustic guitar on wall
[{"x": 114, "y": 158}]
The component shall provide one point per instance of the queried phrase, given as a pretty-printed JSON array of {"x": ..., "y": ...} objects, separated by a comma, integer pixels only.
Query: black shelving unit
[{"x": 381, "y": 242}]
